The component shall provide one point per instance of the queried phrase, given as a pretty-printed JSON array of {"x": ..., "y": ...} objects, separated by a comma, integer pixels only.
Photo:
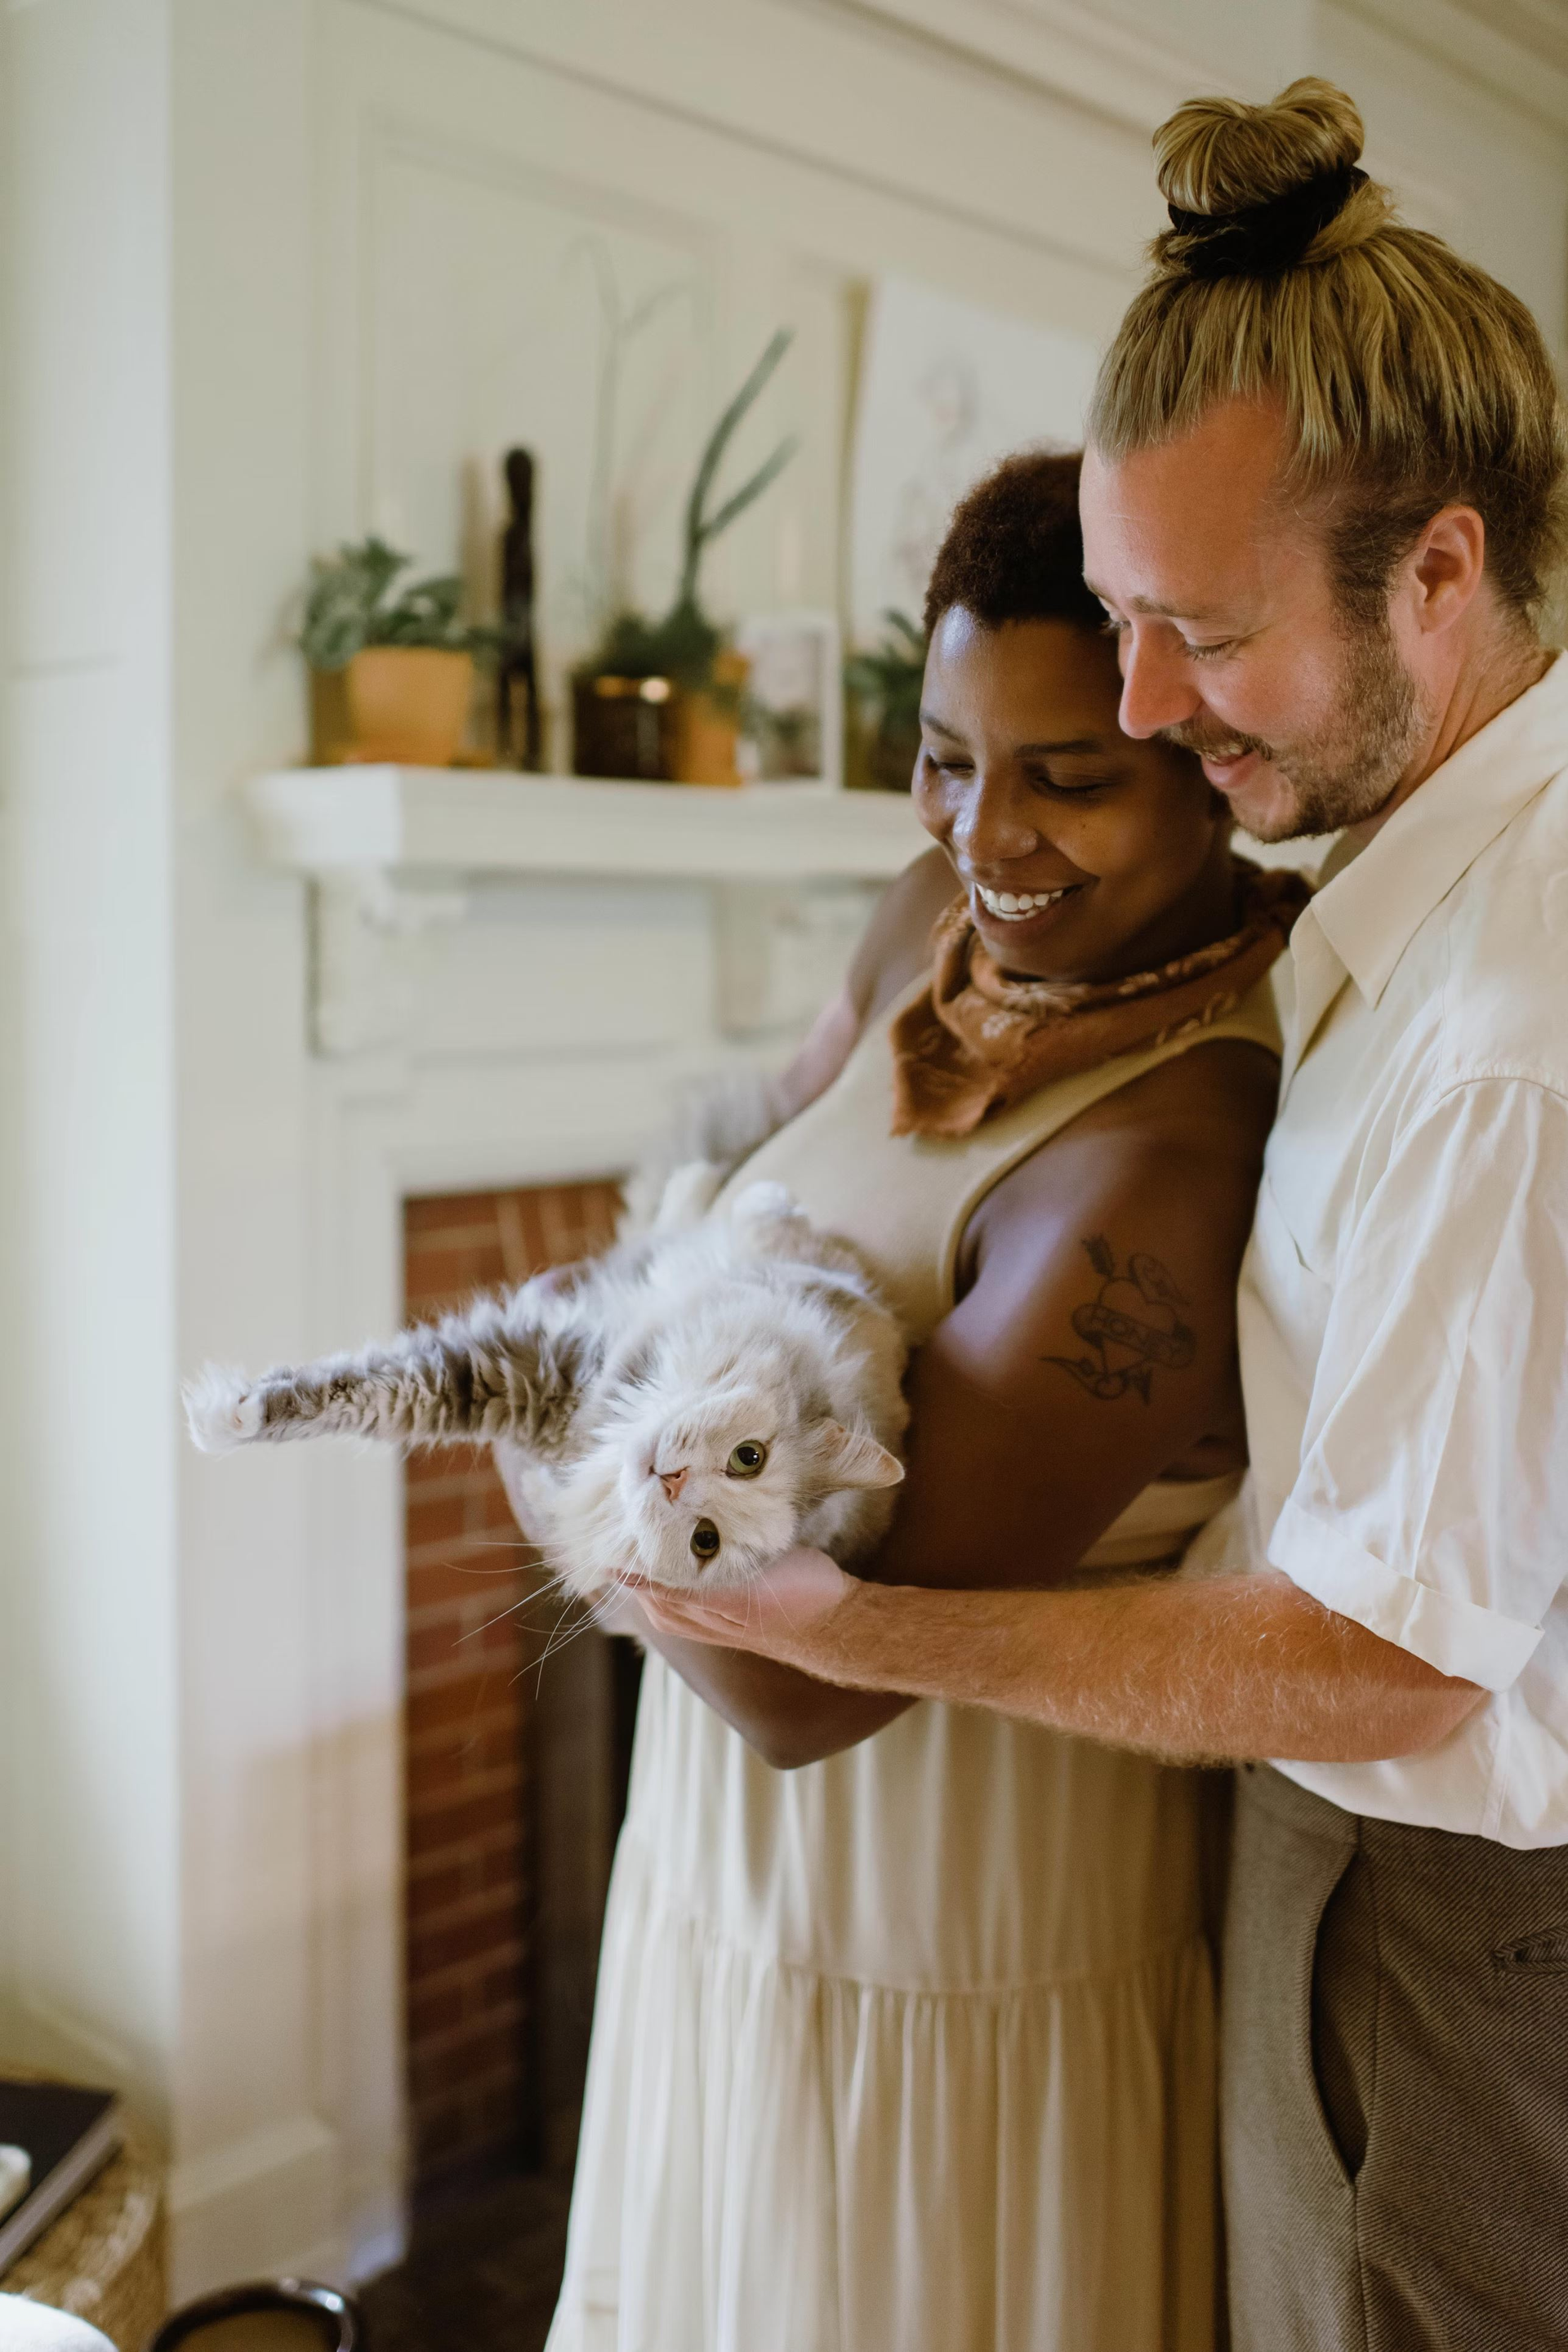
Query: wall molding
[
  {"x": 1539, "y": 27},
  {"x": 1509, "y": 45},
  {"x": 1052, "y": 48},
  {"x": 444, "y": 17},
  {"x": 288, "y": 2170}
]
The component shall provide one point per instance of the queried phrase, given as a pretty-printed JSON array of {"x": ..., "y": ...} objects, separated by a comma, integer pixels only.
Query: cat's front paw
[
  {"x": 766, "y": 1204},
  {"x": 223, "y": 1410},
  {"x": 687, "y": 1196}
]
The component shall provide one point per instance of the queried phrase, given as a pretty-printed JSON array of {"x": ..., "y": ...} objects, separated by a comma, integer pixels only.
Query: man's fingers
[
  {"x": 776, "y": 1614},
  {"x": 670, "y": 1614},
  {"x": 800, "y": 1590}
]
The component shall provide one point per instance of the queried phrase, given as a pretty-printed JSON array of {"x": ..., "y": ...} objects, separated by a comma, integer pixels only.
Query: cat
[{"x": 718, "y": 1388}]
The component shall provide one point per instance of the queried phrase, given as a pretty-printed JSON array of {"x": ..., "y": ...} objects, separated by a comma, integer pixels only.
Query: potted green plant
[
  {"x": 390, "y": 675},
  {"x": 882, "y": 697},
  {"x": 662, "y": 698}
]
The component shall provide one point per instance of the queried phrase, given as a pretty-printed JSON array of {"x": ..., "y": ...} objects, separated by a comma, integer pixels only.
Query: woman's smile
[{"x": 1007, "y": 919}]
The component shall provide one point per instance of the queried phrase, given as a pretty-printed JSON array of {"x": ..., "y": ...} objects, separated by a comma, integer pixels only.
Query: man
[{"x": 1324, "y": 484}]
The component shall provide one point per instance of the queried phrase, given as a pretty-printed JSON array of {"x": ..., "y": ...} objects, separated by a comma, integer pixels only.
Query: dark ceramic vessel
[{"x": 336, "y": 2319}]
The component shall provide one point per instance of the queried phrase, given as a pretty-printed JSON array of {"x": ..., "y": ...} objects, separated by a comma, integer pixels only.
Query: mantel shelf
[{"x": 452, "y": 821}]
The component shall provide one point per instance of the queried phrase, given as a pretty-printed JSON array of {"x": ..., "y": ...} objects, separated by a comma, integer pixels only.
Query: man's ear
[
  {"x": 1446, "y": 567},
  {"x": 852, "y": 1457}
]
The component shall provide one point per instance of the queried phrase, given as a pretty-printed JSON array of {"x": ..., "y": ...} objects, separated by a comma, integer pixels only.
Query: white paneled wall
[
  {"x": 277, "y": 272},
  {"x": 88, "y": 1658}
]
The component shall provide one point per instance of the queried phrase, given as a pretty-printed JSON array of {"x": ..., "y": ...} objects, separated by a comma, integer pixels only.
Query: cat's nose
[{"x": 672, "y": 1482}]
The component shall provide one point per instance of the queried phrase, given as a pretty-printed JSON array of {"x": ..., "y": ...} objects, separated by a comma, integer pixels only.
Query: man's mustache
[{"x": 1208, "y": 744}]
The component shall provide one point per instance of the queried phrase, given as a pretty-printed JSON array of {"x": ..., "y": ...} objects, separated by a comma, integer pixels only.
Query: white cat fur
[{"x": 743, "y": 1325}]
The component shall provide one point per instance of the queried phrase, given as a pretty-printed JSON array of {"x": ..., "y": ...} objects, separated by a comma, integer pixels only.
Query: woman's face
[{"x": 1085, "y": 856}]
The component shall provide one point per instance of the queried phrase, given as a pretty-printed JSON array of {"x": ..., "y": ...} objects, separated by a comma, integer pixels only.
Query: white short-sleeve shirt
[{"x": 1404, "y": 1312}]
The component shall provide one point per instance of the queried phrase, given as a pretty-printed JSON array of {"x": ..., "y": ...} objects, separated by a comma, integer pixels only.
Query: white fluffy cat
[{"x": 692, "y": 1404}]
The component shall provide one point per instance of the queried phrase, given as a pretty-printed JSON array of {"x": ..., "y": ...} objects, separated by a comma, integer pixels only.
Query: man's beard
[{"x": 1347, "y": 775}]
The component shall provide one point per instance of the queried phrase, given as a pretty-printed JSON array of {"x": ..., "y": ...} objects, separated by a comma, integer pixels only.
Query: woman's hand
[{"x": 786, "y": 1613}]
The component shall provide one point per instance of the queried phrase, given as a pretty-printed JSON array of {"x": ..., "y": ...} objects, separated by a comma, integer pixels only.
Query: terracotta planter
[
  {"x": 705, "y": 742},
  {"x": 408, "y": 703},
  {"x": 708, "y": 727}
]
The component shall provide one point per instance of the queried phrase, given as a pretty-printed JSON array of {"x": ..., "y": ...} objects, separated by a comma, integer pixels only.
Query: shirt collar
[{"x": 1374, "y": 906}]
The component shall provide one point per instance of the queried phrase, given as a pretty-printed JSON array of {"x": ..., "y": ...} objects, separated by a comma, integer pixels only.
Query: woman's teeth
[{"x": 1013, "y": 905}]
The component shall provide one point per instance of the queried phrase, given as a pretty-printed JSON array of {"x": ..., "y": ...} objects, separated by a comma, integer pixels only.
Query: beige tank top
[{"x": 905, "y": 1201}]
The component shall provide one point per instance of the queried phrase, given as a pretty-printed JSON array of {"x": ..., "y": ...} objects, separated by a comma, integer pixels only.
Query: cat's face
[{"x": 717, "y": 1487}]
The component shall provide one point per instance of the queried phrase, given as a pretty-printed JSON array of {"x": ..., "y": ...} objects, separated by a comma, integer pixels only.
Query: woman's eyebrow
[
  {"x": 1069, "y": 744},
  {"x": 939, "y": 725}
]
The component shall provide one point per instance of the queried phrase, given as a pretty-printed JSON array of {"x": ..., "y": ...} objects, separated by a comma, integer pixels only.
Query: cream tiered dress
[{"x": 912, "y": 2050}]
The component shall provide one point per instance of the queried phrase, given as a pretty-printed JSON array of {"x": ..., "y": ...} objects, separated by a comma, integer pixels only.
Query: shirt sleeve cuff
[{"x": 1456, "y": 1636}]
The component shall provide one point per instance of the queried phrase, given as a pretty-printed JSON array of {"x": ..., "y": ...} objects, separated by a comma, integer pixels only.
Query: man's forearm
[{"x": 1238, "y": 1666}]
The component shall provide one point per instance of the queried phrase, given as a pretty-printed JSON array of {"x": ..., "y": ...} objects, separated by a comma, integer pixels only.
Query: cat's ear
[{"x": 852, "y": 1457}]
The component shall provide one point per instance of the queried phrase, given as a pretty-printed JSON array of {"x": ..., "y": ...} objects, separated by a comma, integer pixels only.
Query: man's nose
[
  {"x": 672, "y": 1482},
  {"x": 1155, "y": 688}
]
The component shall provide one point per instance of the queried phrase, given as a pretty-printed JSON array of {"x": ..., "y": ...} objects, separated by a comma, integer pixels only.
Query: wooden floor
[{"x": 481, "y": 2276}]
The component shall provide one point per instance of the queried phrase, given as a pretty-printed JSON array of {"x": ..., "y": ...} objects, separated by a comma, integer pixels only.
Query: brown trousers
[{"x": 1393, "y": 2083}]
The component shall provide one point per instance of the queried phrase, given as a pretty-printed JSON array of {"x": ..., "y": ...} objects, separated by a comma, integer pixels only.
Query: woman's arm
[
  {"x": 1030, "y": 1437},
  {"x": 1093, "y": 1348}
]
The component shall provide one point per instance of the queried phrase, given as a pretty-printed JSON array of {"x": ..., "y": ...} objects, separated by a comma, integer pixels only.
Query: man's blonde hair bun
[
  {"x": 1409, "y": 378},
  {"x": 1255, "y": 189},
  {"x": 1216, "y": 155}
]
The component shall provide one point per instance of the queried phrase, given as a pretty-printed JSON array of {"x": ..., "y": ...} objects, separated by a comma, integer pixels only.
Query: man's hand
[
  {"x": 785, "y": 1614},
  {"x": 1230, "y": 1666}
]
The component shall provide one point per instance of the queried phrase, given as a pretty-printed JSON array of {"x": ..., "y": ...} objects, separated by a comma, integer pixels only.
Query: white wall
[
  {"x": 89, "y": 1904},
  {"x": 277, "y": 270}
]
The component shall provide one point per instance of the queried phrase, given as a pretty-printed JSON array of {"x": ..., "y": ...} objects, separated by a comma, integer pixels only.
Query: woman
[{"x": 911, "y": 2049}]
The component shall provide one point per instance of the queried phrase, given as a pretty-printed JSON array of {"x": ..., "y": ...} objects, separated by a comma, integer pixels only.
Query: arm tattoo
[{"x": 1132, "y": 1324}]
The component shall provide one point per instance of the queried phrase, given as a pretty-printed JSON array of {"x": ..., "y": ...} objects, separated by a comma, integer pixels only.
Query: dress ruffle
[{"x": 810, "y": 2130}]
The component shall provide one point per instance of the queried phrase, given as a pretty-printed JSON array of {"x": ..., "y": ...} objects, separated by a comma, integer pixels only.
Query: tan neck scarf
[{"x": 975, "y": 1042}]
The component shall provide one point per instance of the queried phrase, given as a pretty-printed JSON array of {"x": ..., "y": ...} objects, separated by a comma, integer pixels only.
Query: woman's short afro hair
[{"x": 1013, "y": 549}]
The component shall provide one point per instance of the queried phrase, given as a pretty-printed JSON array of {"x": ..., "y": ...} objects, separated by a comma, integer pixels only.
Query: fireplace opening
[{"x": 518, "y": 1727}]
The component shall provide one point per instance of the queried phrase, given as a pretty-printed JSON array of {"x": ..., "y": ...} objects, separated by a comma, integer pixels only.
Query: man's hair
[
  {"x": 1410, "y": 379},
  {"x": 1013, "y": 549}
]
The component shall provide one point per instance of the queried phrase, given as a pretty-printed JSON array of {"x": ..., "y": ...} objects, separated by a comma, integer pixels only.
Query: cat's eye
[
  {"x": 748, "y": 1458},
  {"x": 705, "y": 1540}
]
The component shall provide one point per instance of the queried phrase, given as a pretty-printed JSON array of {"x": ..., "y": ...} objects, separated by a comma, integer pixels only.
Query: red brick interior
[{"x": 471, "y": 1696}]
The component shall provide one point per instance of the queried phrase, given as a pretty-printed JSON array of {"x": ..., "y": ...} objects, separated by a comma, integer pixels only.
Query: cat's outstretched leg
[{"x": 497, "y": 1372}]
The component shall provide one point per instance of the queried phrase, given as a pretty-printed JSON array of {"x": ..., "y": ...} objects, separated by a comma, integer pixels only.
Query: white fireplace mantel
[
  {"x": 441, "y": 896},
  {"x": 329, "y": 821}
]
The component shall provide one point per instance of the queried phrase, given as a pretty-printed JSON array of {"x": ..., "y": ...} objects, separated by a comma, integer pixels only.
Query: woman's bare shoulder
[
  {"x": 1184, "y": 1139},
  {"x": 896, "y": 948},
  {"x": 1215, "y": 1099}
]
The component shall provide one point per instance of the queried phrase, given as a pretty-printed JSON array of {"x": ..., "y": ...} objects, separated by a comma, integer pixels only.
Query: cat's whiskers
[
  {"x": 500, "y": 1618},
  {"x": 551, "y": 1648}
]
